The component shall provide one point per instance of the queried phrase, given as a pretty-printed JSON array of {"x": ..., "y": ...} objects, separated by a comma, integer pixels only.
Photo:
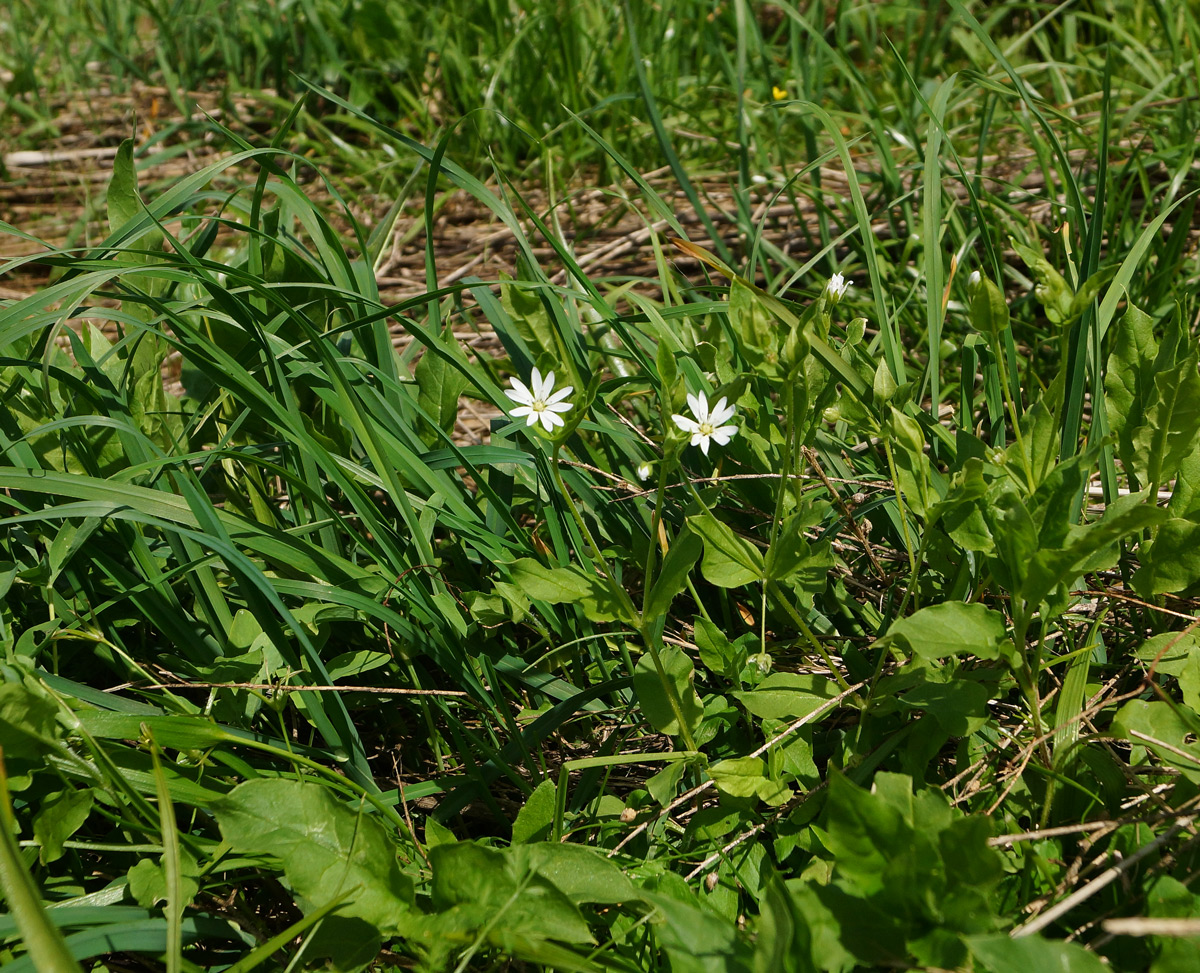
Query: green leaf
[
  {"x": 60, "y": 816},
  {"x": 536, "y": 818},
  {"x": 1029, "y": 954},
  {"x": 440, "y": 383},
  {"x": 729, "y": 560},
  {"x": 1051, "y": 290},
  {"x": 788, "y": 695},
  {"x": 952, "y": 629},
  {"x": 791, "y": 552},
  {"x": 758, "y": 340},
  {"x": 28, "y": 724},
  {"x": 483, "y": 886},
  {"x": 664, "y": 785},
  {"x": 745, "y": 777},
  {"x": 673, "y": 575},
  {"x": 568, "y": 585},
  {"x": 581, "y": 873},
  {"x": 325, "y": 847},
  {"x": 148, "y": 881},
  {"x": 1047, "y": 569},
  {"x": 1172, "y": 428},
  {"x": 989, "y": 310},
  {"x": 1161, "y": 728},
  {"x": 655, "y": 698},
  {"x": 124, "y": 203},
  {"x": 1129, "y": 379},
  {"x": 1171, "y": 562},
  {"x": 528, "y": 315}
]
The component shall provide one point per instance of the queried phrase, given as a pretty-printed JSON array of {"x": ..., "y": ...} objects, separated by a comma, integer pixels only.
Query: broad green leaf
[
  {"x": 745, "y": 777},
  {"x": 60, "y": 816},
  {"x": 1169, "y": 652},
  {"x": 581, "y": 873},
  {"x": 989, "y": 310},
  {"x": 1162, "y": 729},
  {"x": 655, "y": 697},
  {"x": 503, "y": 891},
  {"x": 528, "y": 315},
  {"x": 571, "y": 585},
  {"x": 1171, "y": 562},
  {"x": 758, "y": 340},
  {"x": 792, "y": 552},
  {"x": 1092, "y": 547},
  {"x": 28, "y": 724},
  {"x": 1129, "y": 379},
  {"x": 664, "y": 785},
  {"x": 124, "y": 203},
  {"x": 952, "y": 629},
  {"x": 673, "y": 575},
  {"x": 729, "y": 560},
  {"x": 325, "y": 847},
  {"x": 536, "y": 818},
  {"x": 1030, "y": 954},
  {"x": 1172, "y": 428},
  {"x": 440, "y": 384},
  {"x": 148, "y": 881},
  {"x": 717, "y": 652},
  {"x": 788, "y": 695}
]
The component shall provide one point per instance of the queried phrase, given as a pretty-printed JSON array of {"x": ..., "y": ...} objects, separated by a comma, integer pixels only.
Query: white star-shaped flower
[
  {"x": 836, "y": 288},
  {"x": 707, "y": 425},
  {"x": 538, "y": 400}
]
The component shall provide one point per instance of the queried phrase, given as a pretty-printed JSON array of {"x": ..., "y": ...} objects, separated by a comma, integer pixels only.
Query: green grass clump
[{"x": 842, "y": 618}]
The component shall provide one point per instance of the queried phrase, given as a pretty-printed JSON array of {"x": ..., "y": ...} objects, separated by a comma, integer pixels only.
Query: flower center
[
  {"x": 538, "y": 405},
  {"x": 706, "y": 429}
]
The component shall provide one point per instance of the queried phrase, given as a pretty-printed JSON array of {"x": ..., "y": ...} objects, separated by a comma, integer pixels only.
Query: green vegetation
[{"x": 902, "y": 674}]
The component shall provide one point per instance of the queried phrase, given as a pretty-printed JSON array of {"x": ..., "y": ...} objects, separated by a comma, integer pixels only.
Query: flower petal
[
  {"x": 522, "y": 411},
  {"x": 724, "y": 434},
  {"x": 684, "y": 423},
  {"x": 721, "y": 412},
  {"x": 560, "y": 406},
  {"x": 535, "y": 382},
  {"x": 562, "y": 393},
  {"x": 704, "y": 444},
  {"x": 519, "y": 392}
]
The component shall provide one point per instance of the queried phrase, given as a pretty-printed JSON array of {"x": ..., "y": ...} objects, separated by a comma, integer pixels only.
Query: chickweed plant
[{"x": 817, "y": 616}]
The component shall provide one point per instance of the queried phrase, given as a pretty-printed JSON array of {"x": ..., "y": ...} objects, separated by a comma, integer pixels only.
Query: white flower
[
  {"x": 707, "y": 425},
  {"x": 974, "y": 279},
  {"x": 836, "y": 288},
  {"x": 644, "y": 470},
  {"x": 539, "y": 401}
]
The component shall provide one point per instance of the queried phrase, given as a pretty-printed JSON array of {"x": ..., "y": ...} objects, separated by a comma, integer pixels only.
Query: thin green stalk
[{"x": 650, "y": 638}]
